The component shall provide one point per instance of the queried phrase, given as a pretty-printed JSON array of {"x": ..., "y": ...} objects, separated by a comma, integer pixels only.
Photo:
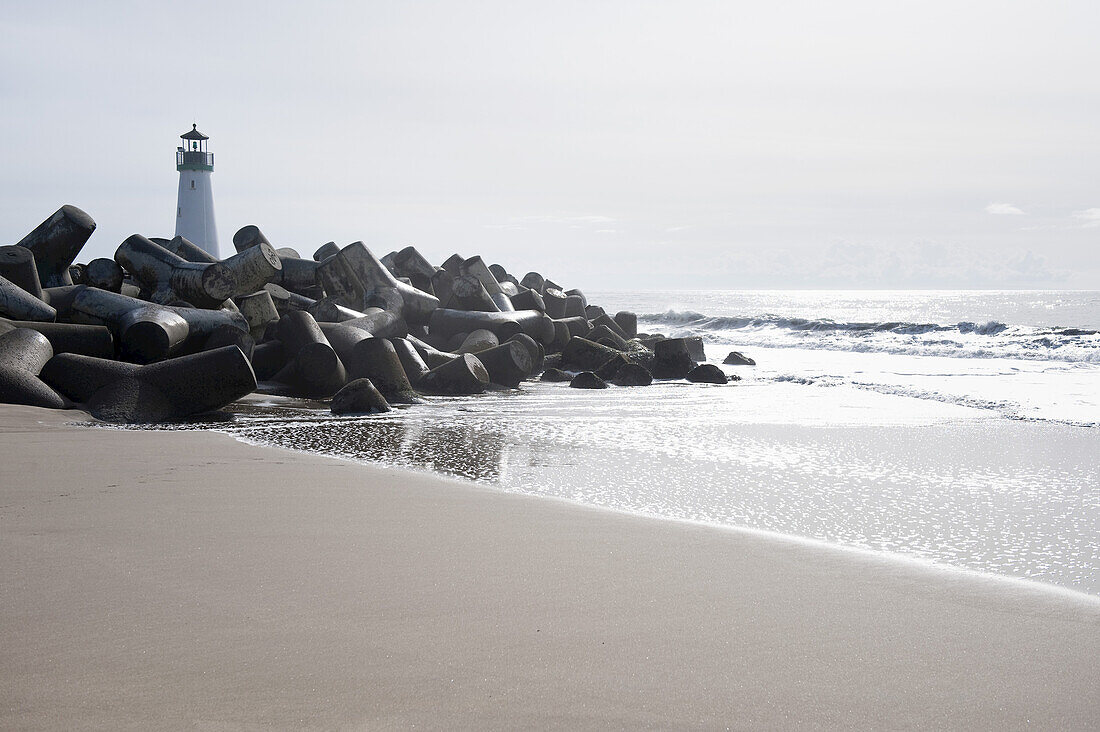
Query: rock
[
  {"x": 358, "y": 397},
  {"x": 707, "y": 373},
  {"x": 736, "y": 358},
  {"x": 587, "y": 380},
  {"x": 555, "y": 375},
  {"x": 632, "y": 374}
]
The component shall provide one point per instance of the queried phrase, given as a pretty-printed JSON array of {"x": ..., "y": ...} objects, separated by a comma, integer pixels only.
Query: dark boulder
[
  {"x": 587, "y": 380},
  {"x": 707, "y": 373},
  {"x": 555, "y": 375},
  {"x": 632, "y": 374},
  {"x": 736, "y": 358}
]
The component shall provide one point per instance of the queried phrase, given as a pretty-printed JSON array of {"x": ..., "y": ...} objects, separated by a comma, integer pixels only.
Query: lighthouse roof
[{"x": 194, "y": 134}]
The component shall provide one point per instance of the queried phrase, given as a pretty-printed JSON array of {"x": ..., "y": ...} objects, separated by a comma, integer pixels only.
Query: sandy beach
[{"x": 187, "y": 580}]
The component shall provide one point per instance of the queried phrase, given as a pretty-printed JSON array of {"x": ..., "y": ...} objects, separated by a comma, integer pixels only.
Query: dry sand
[{"x": 185, "y": 580}]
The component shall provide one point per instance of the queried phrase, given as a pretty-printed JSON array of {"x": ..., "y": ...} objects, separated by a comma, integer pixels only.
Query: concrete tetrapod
[
  {"x": 602, "y": 333},
  {"x": 249, "y": 236},
  {"x": 537, "y": 351},
  {"x": 478, "y": 340},
  {"x": 327, "y": 310},
  {"x": 508, "y": 364},
  {"x": 432, "y": 356},
  {"x": 229, "y": 335},
  {"x": 18, "y": 267},
  {"x": 463, "y": 375},
  {"x": 56, "y": 242},
  {"x": 171, "y": 277},
  {"x": 533, "y": 281},
  {"x": 90, "y": 340},
  {"x": 476, "y": 266},
  {"x": 414, "y": 366},
  {"x": 325, "y": 251},
  {"x": 259, "y": 312},
  {"x": 298, "y": 275},
  {"x": 410, "y": 263},
  {"x": 186, "y": 248},
  {"x": 343, "y": 340},
  {"x": 268, "y": 359},
  {"x": 555, "y": 302},
  {"x": 355, "y": 276},
  {"x": 23, "y": 353},
  {"x": 287, "y": 301},
  {"x": 528, "y": 300},
  {"x": 313, "y": 366},
  {"x": 672, "y": 360},
  {"x": 446, "y": 322},
  {"x": 581, "y": 354},
  {"x": 145, "y": 332},
  {"x": 628, "y": 322},
  {"x": 106, "y": 274},
  {"x": 169, "y": 390},
  {"x": 17, "y": 303},
  {"x": 254, "y": 267},
  {"x": 358, "y": 397},
  {"x": 467, "y": 293},
  {"x": 611, "y": 324},
  {"x": 377, "y": 360}
]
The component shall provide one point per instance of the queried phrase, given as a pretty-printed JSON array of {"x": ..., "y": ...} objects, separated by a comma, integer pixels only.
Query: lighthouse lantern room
[{"x": 195, "y": 202}]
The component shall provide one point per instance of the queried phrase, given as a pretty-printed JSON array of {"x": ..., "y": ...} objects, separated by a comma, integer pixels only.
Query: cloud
[
  {"x": 1003, "y": 209},
  {"x": 1089, "y": 217}
]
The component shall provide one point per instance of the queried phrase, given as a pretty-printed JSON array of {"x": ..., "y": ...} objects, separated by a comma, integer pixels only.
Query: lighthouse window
[{"x": 192, "y": 185}]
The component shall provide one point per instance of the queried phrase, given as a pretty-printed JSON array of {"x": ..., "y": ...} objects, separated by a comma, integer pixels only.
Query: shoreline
[
  {"x": 867, "y": 553},
  {"x": 363, "y": 595}
]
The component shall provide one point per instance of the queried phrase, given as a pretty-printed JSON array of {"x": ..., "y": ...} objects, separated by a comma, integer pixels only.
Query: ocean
[{"x": 951, "y": 427}]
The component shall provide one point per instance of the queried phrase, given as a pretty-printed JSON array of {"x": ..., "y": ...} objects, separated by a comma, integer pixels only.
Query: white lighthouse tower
[{"x": 195, "y": 203}]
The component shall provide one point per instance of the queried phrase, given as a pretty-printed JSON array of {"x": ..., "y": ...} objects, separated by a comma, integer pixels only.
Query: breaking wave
[{"x": 961, "y": 340}]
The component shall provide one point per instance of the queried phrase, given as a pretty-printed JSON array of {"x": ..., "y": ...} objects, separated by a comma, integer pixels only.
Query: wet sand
[{"x": 186, "y": 580}]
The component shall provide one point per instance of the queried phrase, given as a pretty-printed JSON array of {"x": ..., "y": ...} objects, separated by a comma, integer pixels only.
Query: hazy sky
[{"x": 606, "y": 144}]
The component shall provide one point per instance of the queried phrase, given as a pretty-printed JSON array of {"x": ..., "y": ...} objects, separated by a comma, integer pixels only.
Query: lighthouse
[{"x": 195, "y": 203}]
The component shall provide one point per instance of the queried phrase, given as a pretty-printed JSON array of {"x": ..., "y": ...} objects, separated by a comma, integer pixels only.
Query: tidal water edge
[{"x": 959, "y": 428}]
